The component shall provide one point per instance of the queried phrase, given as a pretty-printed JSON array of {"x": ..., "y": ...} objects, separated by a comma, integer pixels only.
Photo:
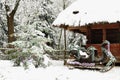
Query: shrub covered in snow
[
  {"x": 31, "y": 45},
  {"x": 32, "y": 31}
]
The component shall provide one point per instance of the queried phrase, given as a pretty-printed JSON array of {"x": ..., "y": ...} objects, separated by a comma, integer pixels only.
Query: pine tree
[
  {"x": 3, "y": 26},
  {"x": 34, "y": 32}
]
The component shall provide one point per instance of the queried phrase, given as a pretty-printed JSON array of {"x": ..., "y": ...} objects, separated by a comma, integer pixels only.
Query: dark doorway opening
[
  {"x": 96, "y": 37},
  {"x": 113, "y": 35}
]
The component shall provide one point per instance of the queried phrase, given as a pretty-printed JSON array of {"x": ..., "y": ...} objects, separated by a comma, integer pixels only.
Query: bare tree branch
[{"x": 16, "y": 7}]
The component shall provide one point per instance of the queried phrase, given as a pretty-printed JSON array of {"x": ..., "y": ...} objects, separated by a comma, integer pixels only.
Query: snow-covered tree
[
  {"x": 33, "y": 31},
  {"x": 32, "y": 28},
  {"x": 39, "y": 11},
  {"x": 59, "y": 6},
  {"x": 3, "y": 32},
  {"x": 32, "y": 25},
  {"x": 10, "y": 9},
  {"x": 3, "y": 26}
]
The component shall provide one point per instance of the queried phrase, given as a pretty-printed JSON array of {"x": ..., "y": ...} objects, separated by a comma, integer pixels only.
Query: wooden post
[
  {"x": 89, "y": 34},
  {"x": 119, "y": 35},
  {"x": 104, "y": 34},
  {"x": 119, "y": 32},
  {"x": 65, "y": 46}
]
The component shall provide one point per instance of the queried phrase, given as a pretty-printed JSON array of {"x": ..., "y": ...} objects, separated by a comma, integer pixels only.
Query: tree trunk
[
  {"x": 10, "y": 24},
  {"x": 10, "y": 21}
]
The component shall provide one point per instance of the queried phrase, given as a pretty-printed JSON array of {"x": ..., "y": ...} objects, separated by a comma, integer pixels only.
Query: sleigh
[{"x": 102, "y": 63}]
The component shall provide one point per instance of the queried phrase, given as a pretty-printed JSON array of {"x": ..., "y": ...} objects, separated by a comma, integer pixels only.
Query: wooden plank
[
  {"x": 81, "y": 29},
  {"x": 105, "y": 26},
  {"x": 115, "y": 49}
]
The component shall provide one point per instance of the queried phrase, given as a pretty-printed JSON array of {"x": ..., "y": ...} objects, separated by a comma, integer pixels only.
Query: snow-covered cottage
[{"x": 98, "y": 19}]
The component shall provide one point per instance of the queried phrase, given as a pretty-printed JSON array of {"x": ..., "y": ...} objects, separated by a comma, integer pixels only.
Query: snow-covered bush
[
  {"x": 30, "y": 44},
  {"x": 3, "y": 28},
  {"x": 33, "y": 31}
]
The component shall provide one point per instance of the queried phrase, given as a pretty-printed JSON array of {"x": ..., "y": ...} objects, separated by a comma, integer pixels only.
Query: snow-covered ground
[{"x": 54, "y": 72}]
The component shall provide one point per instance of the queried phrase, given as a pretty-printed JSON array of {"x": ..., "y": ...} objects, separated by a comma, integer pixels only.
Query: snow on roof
[{"x": 84, "y": 12}]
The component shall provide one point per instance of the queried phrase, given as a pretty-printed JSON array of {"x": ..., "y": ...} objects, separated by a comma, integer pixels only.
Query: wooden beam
[
  {"x": 105, "y": 26},
  {"x": 78, "y": 29},
  {"x": 65, "y": 47}
]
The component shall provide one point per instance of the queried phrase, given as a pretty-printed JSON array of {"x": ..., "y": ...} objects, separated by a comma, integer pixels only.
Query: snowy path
[{"x": 54, "y": 72}]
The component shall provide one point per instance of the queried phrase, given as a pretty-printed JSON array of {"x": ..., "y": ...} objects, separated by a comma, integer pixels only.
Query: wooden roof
[{"x": 91, "y": 26}]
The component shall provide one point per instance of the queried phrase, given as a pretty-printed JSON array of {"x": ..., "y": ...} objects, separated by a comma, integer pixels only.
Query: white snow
[
  {"x": 90, "y": 11},
  {"x": 54, "y": 72}
]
